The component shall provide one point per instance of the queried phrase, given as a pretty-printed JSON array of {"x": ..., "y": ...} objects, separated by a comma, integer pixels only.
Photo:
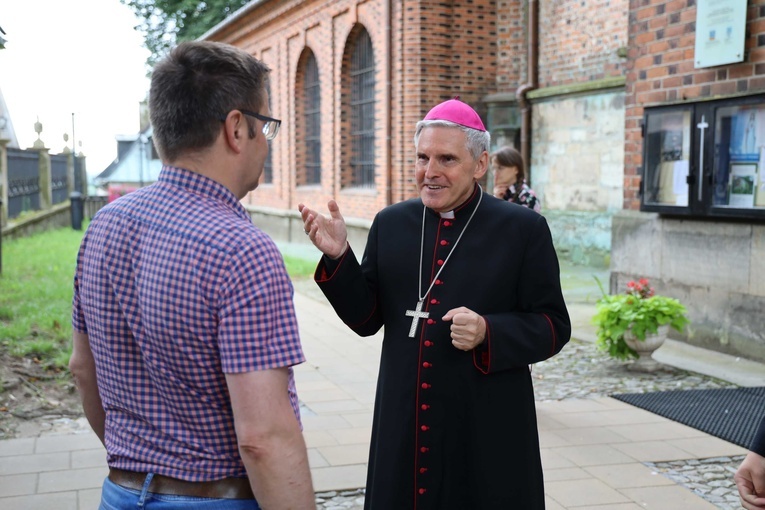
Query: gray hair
[{"x": 477, "y": 141}]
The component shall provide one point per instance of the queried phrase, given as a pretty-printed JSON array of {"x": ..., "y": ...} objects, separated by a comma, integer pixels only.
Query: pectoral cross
[{"x": 416, "y": 315}]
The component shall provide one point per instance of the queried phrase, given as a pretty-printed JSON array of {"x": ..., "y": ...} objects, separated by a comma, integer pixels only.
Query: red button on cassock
[
  {"x": 424, "y": 407},
  {"x": 423, "y": 470},
  {"x": 447, "y": 223},
  {"x": 440, "y": 262},
  {"x": 425, "y": 428},
  {"x": 433, "y": 301},
  {"x": 431, "y": 321},
  {"x": 425, "y": 386},
  {"x": 428, "y": 343},
  {"x": 439, "y": 282},
  {"x": 427, "y": 365},
  {"x": 444, "y": 242},
  {"x": 422, "y": 491},
  {"x": 424, "y": 449}
]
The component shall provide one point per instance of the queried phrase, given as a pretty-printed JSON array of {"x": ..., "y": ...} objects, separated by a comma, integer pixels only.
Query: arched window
[
  {"x": 311, "y": 115},
  {"x": 361, "y": 73}
]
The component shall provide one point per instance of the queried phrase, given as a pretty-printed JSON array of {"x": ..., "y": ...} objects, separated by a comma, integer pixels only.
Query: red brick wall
[
  {"x": 578, "y": 40},
  {"x": 511, "y": 44},
  {"x": 660, "y": 70},
  {"x": 447, "y": 48},
  {"x": 425, "y": 51}
]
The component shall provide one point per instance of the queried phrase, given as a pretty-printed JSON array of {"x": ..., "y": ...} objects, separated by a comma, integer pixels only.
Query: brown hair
[
  {"x": 509, "y": 157},
  {"x": 196, "y": 86}
]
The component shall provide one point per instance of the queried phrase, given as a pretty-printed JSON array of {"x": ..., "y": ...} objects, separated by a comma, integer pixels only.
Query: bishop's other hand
[
  {"x": 750, "y": 480},
  {"x": 468, "y": 329},
  {"x": 329, "y": 235}
]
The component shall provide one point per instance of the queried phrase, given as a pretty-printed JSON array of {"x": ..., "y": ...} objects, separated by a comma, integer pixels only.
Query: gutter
[
  {"x": 230, "y": 20},
  {"x": 531, "y": 84}
]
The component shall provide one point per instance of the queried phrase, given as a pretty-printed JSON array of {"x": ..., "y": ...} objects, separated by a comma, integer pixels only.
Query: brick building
[
  {"x": 574, "y": 85},
  {"x": 694, "y": 176},
  {"x": 421, "y": 53}
]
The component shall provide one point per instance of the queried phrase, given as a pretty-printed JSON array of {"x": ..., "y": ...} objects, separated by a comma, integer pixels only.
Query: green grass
[
  {"x": 299, "y": 268},
  {"x": 36, "y": 294}
]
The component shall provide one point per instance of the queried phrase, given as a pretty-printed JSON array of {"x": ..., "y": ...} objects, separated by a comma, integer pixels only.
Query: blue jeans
[{"x": 116, "y": 497}]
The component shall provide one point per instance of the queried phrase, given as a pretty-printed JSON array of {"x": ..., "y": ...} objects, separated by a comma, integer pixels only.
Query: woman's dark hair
[{"x": 509, "y": 157}]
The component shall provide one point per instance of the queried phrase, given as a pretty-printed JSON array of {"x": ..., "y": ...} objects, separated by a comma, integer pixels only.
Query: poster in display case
[{"x": 743, "y": 178}]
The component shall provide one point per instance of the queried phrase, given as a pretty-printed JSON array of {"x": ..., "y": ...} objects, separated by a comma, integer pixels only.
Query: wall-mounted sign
[{"x": 720, "y": 31}]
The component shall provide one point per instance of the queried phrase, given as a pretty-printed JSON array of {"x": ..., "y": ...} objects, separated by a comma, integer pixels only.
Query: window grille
[
  {"x": 362, "y": 74},
  {"x": 312, "y": 116}
]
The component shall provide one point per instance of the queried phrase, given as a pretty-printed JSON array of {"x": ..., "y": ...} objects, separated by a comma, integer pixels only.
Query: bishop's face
[{"x": 445, "y": 170}]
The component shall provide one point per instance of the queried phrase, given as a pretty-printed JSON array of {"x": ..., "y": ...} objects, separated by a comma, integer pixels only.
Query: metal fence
[
  {"x": 78, "y": 184},
  {"x": 25, "y": 185},
  {"x": 93, "y": 204},
  {"x": 23, "y": 182},
  {"x": 58, "y": 178}
]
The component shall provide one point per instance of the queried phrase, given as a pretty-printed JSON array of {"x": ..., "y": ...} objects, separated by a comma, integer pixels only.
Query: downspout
[
  {"x": 531, "y": 84},
  {"x": 402, "y": 189},
  {"x": 389, "y": 157}
]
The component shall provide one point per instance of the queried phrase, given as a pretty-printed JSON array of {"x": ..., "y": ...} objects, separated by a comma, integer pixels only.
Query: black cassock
[{"x": 454, "y": 429}]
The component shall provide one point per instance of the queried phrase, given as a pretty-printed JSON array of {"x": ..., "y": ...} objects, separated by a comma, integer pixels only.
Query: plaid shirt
[{"x": 175, "y": 287}]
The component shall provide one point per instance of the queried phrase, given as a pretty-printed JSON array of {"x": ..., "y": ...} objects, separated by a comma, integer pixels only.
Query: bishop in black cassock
[{"x": 454, "y": 421}]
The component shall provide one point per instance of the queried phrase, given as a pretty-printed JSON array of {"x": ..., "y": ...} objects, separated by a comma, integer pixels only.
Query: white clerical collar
[{"x": 449, "y": 215}]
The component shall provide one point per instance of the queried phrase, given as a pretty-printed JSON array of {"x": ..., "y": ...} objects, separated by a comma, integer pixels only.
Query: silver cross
[
  {"x": 701, "y": 126},
  {"x": 416, "y": 315}
]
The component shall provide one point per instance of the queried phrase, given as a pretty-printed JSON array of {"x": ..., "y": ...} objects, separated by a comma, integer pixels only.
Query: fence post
[
  {"x": 2, "y": 217},
  {"x": 46, "y": 187},
  {"x": 3, "y": 181},
  {"x": 83, "y": 175},
  {"x": 43, "y": 161}
]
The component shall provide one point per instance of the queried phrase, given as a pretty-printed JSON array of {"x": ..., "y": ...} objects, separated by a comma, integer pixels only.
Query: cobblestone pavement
[{"x": 581, "y": 371}]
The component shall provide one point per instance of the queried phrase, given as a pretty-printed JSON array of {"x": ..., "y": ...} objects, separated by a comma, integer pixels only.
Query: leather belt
[{"x": 225, "y": 488}]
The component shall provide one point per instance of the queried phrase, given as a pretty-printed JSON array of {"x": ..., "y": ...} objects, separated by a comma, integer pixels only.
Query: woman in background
[{"x": 510, "y": 179}]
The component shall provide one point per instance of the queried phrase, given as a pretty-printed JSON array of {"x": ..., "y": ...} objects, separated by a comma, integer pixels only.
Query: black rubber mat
[{"x": 730, "y": 414}]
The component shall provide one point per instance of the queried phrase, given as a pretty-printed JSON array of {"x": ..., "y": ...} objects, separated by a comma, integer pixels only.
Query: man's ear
[
  {"x": 234, "y": 130},
  {"x": 481, "y": 165}
]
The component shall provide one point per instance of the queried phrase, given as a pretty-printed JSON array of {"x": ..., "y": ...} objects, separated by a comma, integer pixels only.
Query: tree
[{"x": 167, "y": 22}]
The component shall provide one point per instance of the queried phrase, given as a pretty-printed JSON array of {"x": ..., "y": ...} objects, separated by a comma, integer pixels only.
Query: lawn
[{"x": 36, "y": 294}]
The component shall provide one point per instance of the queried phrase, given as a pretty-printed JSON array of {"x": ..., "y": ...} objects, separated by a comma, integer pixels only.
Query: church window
[
  {"x": 361, "y": 75},
  {"x": 309, "y": 112}
]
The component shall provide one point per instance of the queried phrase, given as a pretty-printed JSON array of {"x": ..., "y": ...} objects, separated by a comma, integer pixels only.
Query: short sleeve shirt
[{"x": 175, "y": 287}]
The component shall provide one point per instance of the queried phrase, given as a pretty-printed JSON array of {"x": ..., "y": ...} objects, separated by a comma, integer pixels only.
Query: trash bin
[{"x": 77, "y": 207}]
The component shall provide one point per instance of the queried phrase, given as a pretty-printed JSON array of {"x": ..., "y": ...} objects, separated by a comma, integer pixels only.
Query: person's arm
[
  {"x": 750, "y": 477},
  {"x": 540, "y": 326},
  {"x": 83, "y": 369},
  {"x": 270, "y": 440},
  {"x": 750, "y": 480}
]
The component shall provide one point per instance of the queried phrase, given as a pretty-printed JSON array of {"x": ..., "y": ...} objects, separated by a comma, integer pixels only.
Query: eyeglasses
[{"x": 270, "y": 126}]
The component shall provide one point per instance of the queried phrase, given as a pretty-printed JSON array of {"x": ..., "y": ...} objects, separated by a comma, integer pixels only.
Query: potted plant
[{"x": 634, "y": 324}]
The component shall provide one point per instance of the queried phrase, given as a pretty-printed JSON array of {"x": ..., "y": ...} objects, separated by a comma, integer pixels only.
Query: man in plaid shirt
[{"x": 184, "y": 325}]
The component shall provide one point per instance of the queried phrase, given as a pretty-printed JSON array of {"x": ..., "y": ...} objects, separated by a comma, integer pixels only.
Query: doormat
[{"x": 730, "y": 414}]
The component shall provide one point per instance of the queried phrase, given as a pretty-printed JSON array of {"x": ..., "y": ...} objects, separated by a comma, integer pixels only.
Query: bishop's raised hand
[{"x": 329, "y": 235}]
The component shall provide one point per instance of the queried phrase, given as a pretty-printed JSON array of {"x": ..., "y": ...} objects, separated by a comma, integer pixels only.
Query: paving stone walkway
[{"x": 581, "y": 371}]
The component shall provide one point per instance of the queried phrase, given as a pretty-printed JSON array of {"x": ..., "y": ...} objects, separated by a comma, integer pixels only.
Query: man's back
[{"x": 176, "y": 288}]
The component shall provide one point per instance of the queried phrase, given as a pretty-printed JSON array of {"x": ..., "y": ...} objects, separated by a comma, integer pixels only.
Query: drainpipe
[
  {"x": 389, "y": 144},
  {"x": 531, "y": 73}
]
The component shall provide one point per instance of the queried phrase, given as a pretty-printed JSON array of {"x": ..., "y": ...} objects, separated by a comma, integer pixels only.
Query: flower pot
[{"x": 645, "y": 349}]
